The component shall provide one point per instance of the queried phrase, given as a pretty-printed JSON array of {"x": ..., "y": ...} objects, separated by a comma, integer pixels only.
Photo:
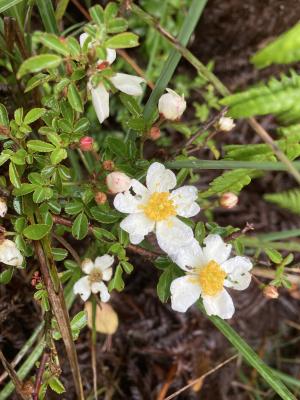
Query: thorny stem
[{"x": 221, "y": 88}]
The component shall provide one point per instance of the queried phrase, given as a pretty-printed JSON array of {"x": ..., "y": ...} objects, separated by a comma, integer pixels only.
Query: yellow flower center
[
  {"x": 159, "y": 206},
  {"x": 211, "y": 278},
  {"x": 95, "y": 276}
]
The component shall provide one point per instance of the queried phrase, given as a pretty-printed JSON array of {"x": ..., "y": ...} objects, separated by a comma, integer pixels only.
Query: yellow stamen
[
  {"x": 159, "y": 206},
  {"x": 211, "y": 278}
]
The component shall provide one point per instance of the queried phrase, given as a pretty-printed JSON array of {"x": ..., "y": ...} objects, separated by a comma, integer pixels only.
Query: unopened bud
[
  {"x": 10, "y": 254},
  {"x": 108, "y": 165},
  {"x": 118, "y": 182},
  {"x": 27, "y": 388},
  {"x": 228, "y": 200},
  {"x": 86, "y": 143},
  {"x": 100, "y": 198},
  {"x": 271, "y": 292},
  {"x": 154, "y": 133},
  {"x": 3, "y": 207},
  {"x": 225, "y": 124},
  {"x": 171, "y": 105}
]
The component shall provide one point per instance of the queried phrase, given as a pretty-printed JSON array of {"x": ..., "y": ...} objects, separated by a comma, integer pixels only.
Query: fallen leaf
[{"x": 107, "y": 320}]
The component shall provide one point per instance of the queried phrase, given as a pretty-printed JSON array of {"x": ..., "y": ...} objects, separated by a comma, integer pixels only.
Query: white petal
[
  {"x": 128, "y": 84},
  {"x": 100, "y": 99},
  {"x": 104, "y": 262},
  {"x": 127, "y": 203},
  {"x": 138, "y": 226},
  {"x": 238, "y": 280},
  {"x": 184, "y": 199},
  {"x": 83, "y": 288},
  {"x": 238, "y": 269},
  {"x": 139, "y": 188},
  {"x": 184, "y": 293},
  {"x": 172, "y": 234},
  {"x": 10, "y": 254},
  {"x": 87, "y": 265},
  {"x": 220, "y": 305},
  {"x": 189, "y": 257},
  {"x": 107, "y": 274},
  {"x": 111, "y": 55},
  {"x": 237, "y": 263},
  {"x": 215, "y": 249},
  {"x": 82, "y": 39},
  {"x": 104, "y": 295},
  {"x": 160, "y": 179}
]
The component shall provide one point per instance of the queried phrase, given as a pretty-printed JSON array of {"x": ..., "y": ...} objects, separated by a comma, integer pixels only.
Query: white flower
[
  {"x": 10, "y": 254},
  {"x": 96, "y": 272},
  {"x": 118, "y": 182},
  {"x": 208, "y": 272},
  {"x": 129, "y": 84},
  {"x": 154, "y": 209},
  {"x": 226, "y": 124},
  {"x": 3, "y": 207},
  {"x": 171, "y": 105}
]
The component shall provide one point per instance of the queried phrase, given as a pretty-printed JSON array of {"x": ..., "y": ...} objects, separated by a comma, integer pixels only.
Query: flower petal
[
  {"x": 172, "y": 234},
  {"x": 220, "y": 305},
  {"x": 83, "y": 288},
  {"x": 82, "y": 39},
  {"x": 104, "y": 262},
  {"x": 111, "y": 55},
  {"x": 138, "y": 226},
  {"x": 237, "y": 263},
  {"x": 160, "y": 179},
  {"x": 87, "y": 266},
  {"x": 10, "y": 254},
  {"x": 215, "y": 249},
  {"x": 129, "y": 84},
  {"x": 127, "y": 203},
  {"x": 100, "y": 99},
  {"x": 189, "y": 257},
  {"x": 184, "y": 199},
  {"x": 107, "y": 274},
  {"x": 238, "y": 269},
  {"x": 139, "y": 189},
  {"x": 104, "y": 295},
  {"x": 184, "y": 293}
]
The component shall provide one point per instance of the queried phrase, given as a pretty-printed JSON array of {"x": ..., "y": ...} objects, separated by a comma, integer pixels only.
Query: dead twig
[{"x": 13, "y": 376}]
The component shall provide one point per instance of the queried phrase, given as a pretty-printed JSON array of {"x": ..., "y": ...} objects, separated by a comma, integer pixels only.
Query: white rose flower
[
  {"x": 3, "y": 207},
  {"x": 226, "y": 124},
  {"x": 208, "y": 272},
  {"x": 96, "y": 272},
  {"x": 129, "y": 84},
  {"x": 10, "y": 254},
  {"x": 171, "y": 105},
  {"x": 154, "y": 209}
]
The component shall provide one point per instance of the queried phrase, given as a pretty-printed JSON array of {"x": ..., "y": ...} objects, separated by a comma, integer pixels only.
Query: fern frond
[
  {"x": 284, "y": 50},
  {"x": 279, "y": 97},
  {"x": 289, "y": 200}
]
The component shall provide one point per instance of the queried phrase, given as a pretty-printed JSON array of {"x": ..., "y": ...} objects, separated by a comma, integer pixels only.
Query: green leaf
[
  {"x": 117, "y": 280},
  {"x": 106, "y": 217},
  {"x": 40, "y": 146},
  {"x": 230, "y": 181},
  {"x": 37, "y": 231},
  {"x": 250, "y": 356},
  {"x": 52, "y": 42},
  {"x": 56, "y": 385},
  {"x": 122, "y": 41},
  {"x": 273, "y": 255},
  {"x": 79, "y": 321},
  {"x": 47, "y": 14},
  {"x": 117, "y": 25},
  {"x": 170, "y": 273},
  {"x": 38, "y": 63},
  {"x": 100, "y": 233},
  {"x": 37, "y": 80},
  {"x": 3, "y": 158},
  {"x": 128, "y": 268},
  {"x": 74, "y": 98},
  {"x": 6, "y": 276},
  {"x": 97, "y": 14},
  {"x": 41, "y": 194},
  {"x": 74, "y": 207},
  {"x": 14, "y": 175},
  {"x": 59, "y": 254},
  {"x": 58, "y": 155},
  {"x": 4, "y": 120},
  {"x": 24, "y": 189},
  {"x": 131, "y": 104},
  {"x": 33, "y": 115},
  {"x": 80, "y": 226},
  {"x": 289, "y": 200},
  {"x": 117, "y": 146}
]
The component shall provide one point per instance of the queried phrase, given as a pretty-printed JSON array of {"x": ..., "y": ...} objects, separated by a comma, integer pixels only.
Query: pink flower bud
[
  {"x": 171, "y": 105},
  {"x": 154, "y": 133},
  {"x": 100, "y": 198},
  {"x": 108, "y": 165},
  {"x": 86, "y": 143},
  {"x": 118, "y": 182},
  {"x": 271, "y": 292},
  {"x": 228, "y": 200}
]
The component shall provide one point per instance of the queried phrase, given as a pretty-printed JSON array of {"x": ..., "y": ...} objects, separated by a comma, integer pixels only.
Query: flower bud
[
  {"x": 271, "y": 292},
  {"x": 154, "y": 133},
  {"x": 118, "y": 182},
  {"x": 86, "y": 143},
  {"x": 225, "y": 124},
  {"x": 100, "y": 198},
  {"x": 3, "y": 207},
  {"x": 171, "y": 105},
  {"x": 10, "y": 254},
  {"x": 108, "y": 165},
  {"x": 228, "y": 200}
]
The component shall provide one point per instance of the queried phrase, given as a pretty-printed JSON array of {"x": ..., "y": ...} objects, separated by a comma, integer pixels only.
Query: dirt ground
[{"x": 153, "y": 345}]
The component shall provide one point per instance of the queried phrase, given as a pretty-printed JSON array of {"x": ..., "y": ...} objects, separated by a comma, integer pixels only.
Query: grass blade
[
  {"x": 61, "y": 9},
  {"x": 7, "y": 4},
  {"x": 47, "y": 14},
  {"x": 187, "y": 29},
  {"x": 250, "y": 356}
]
